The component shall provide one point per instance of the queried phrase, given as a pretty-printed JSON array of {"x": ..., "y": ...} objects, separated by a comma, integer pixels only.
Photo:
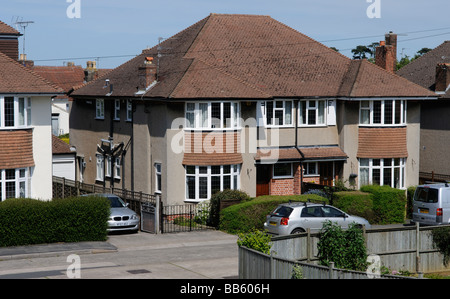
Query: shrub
[
  {"x": 252, "y": 214},
  {"x": 388, "y": 203},
  {"x": 28, "y": 221},
  {"x": 441, "y": 241},
  {"x": 343, "y": 247},
  {"x": 355, "y": 203},
  {"x": 256, "y": 240},
  {"x": 224, "y": 196}
]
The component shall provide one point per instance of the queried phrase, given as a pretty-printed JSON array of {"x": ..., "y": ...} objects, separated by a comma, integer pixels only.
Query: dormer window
[{"x": 15, "y": 112}]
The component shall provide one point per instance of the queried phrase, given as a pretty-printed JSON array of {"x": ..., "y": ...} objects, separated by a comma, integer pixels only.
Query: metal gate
[{"x": 148, "y": 217}]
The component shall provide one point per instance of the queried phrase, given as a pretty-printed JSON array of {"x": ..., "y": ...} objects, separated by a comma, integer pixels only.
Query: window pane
[
  {"x": 10, "y": 174},
  {"x": 21, "y": 111},
  {"x": 215, "y": 115},
  {"x": 376, "y": 176},
  {"x": 388, "y": 112},
  {"x": 236, "y": 115},
  {"x": 190, "y": 187},
  {"x": 203, "y": 110},
  {"x": 397, "y": 183},
  {"x": 303, "y": 113},
  {"x": 203, "y": 187},
  {"x": 226, "y": 121},
  {"x": 190, "y": 169},
  {"x": 22, "y": 190},
  {"x": 288, "y": 111},
  {"x": 9, "y": 112},
  {"x": 365, "y": 117},
  {"x": 226, "y": 182},
  {"x": 226, "y": 168},
  {"x": 387, "y": 176},
  {"x": 398, "y": 111},
  {"x": 279, "y": 116},
  {"x": 364, "y": 162},
  {"x": 215, "y": 184},
  {"x": 269, "y": 112},
  {"x": 377, "y": 112},
  {"x": 282, "y": 169},
  {"x": 10, "y": 189},
  {"x": 364, "y": 176},
  {"x": 215, "y": 169},
  {"x": 203, "y": 169},
  {"x": 311, "y": 116},
  {"x": 321, "y": 112},
  {"x": 376, "y": 162}
]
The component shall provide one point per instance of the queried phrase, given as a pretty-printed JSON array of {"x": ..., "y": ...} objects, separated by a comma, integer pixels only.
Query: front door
[
  {"x": 326, "y": 173},
  {"x": 263, "y": 176}
]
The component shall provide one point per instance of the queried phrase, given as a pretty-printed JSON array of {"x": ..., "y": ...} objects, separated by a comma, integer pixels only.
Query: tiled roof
[
  {"x": 422, "y": 70},
  {"x": 60, "y": 147},
  {"x": 248, "y": 56},
  {"x": 15, "y": 78},
  {"x": 382, "y": 143},
  {"x": 8, "y": 30},
  {"x": 65, "y": 77},
  {"x": 304, "y": 153},
  {"x": 16, "y": 149}
]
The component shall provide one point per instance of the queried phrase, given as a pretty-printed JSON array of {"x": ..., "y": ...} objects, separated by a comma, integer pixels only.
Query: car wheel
[{"x": 297, "y": 231}]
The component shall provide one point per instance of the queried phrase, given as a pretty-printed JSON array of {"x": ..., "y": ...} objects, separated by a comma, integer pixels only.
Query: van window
[{"x": 426, "y": 195}]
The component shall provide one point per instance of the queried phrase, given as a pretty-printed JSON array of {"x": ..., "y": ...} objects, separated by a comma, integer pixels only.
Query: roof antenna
[{"x": 23, "y": 25}]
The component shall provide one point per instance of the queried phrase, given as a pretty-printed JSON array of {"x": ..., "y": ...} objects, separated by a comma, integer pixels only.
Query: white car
[{"x": 296, "y": 217}]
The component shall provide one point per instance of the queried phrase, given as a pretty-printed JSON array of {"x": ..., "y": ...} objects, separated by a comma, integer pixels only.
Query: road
[{"x": 203, "y": 254}]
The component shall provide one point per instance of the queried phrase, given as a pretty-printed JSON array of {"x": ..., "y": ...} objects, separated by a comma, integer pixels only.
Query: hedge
[
  {"x": 355, "y": 203},
  {"x": 29, "y": 221},
  {"x": 248, "y": 215},
  {"x": 388, "y": 203}
]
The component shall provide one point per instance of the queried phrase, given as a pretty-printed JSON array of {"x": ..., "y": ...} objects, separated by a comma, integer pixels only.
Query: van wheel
[{"x": 297, "y": 231}]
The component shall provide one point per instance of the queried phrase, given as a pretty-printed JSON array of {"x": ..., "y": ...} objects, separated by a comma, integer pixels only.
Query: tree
[{"x": 360, "y": 52}]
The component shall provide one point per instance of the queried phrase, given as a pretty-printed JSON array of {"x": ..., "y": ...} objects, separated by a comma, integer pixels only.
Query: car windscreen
[
  {"x": 115, "y": 202},
  {"x": 429, "y": 195},
  {"x": 281, "y": 211}
]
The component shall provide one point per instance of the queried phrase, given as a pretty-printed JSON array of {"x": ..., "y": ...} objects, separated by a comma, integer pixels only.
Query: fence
[
  {"x": 408, "y": 248},
  {"x": 257, "y": 265},
  {"x": 184, "y": 218}
]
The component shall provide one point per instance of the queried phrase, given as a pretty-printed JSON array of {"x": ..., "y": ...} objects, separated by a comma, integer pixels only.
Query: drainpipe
[{"x": 296, "y": 146}]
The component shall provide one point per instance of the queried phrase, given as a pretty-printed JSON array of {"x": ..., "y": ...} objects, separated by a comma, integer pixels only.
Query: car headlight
[{"x": 134, "y": 217}]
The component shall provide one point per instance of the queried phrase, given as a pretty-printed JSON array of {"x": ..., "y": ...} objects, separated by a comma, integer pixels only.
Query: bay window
[
  {"x": 212, "y": 115},
  {"x": 382, "y": 113},
  {"x": 204, "y": 181},
  {"x": 387, "y": 171},
  {"x": 15, "y": 112}
]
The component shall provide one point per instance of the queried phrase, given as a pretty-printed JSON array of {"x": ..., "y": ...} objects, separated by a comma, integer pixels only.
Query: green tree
[{"x": 360, "y": 52}]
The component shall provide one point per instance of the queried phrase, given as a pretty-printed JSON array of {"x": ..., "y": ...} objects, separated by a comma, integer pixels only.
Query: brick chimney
[
  {"x": 147, "y": 73},
  {"x": 90, "y": 72},
  {"x": 442, "y": 77},
  {"x": 386, "y": 53},
  {"x": 26, "y": 63}
]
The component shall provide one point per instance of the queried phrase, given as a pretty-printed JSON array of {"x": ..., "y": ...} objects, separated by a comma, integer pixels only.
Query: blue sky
[{"x": 124, "y": 27}]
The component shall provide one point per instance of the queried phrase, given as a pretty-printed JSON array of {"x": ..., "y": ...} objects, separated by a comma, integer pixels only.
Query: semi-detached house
[
  {"x": 25, "y": 127},
  {"x": 245, "y": 102}
]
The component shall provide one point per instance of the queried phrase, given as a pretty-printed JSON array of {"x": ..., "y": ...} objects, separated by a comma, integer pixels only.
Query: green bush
[
  {"x": 388, "y": 203},
  {"x": 29, "y": 221},
  {"x": 409, "y": 201},
  {"x": 256, "y": 240},
  {"x": 345, "y": 248},
  {"x": 223, "y": 196},
  {"x": 355, "y": 203},
  {"x": 441, "y": 241},
  {"x": 249, "y": 215}
]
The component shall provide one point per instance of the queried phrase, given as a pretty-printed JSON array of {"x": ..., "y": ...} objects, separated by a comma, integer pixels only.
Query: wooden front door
[
  {"x": 263, "y": 176},
  {"x": 326, "y": 173}
]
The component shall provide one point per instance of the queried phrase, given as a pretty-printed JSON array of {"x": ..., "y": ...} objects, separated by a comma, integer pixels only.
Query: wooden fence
[
  {"x": 257, "y": 265},
  {"x": 407, "y": 248}
]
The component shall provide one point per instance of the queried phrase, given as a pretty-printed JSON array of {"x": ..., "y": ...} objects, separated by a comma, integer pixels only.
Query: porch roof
[{"x": 304, "y": 153}]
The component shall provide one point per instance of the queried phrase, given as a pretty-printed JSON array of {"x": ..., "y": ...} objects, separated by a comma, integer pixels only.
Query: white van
[{"x": 431, "y": 204}]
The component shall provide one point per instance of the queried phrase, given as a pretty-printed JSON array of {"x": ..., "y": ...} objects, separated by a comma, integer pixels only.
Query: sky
[{"x": 114, "y": 31}]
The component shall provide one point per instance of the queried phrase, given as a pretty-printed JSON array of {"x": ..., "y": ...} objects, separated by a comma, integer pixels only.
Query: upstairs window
[
  {"x": 99, "y": 109},
  {"x": 382, "y": 113},
  {"x": 15, "y": 112},
  {"x": 212, "y": 115},
  {"x": 277, "y": 113},
  {"x": 312, "y": 113}
]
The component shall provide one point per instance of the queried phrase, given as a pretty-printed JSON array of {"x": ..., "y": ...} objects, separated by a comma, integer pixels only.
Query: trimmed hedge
[
  {"x": 246, "y": 216},
  {"x": 355, "y": 203},
  {"x": 29, "y": 221},
  {"x": 388, "y": 203}
]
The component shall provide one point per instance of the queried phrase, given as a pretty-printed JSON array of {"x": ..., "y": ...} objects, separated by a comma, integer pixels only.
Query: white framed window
[
  {"x": 15, "y": 112},
  {"x": 276, "y": 113},
  {"x": 116, "y": 109},
  {"x": 158, "y": 187},
  {"x": 387, "y": 171},
  {"x": 116, "y": 171},
  {"x": 117, "y": 167},
  {"x": 312, "y": 113},
  {"x": 99, "y": 109},
  {"x": 382, "y": 113},
  {"x": 14, "y": 183},
  {"x": 203, "y": 181},
  {"x": 100, "y": 167},
  {"x": 282, "y": 171},
  {"x": 129, "y": 110},
  {"x": 212, "y": 115},
  {"x": 311, "y": 168}
]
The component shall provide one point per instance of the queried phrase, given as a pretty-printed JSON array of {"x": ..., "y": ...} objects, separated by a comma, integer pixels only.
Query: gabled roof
[
  {"x": 422, "y": 70},
  {"x": 8, "y": 30},
  {"x": 251, "y": 56},
  {"x": 15, "y": 78},
  {"x": 65, "y": 77}
]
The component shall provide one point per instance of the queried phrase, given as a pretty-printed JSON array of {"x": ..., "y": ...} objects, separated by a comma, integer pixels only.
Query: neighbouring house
[
  {"x": 63, "y": 159},
  {"x": 246, "y": 102},
  {"x": 432, "y": 71},
  {"x": 25, "y": 132},
  {"x": 9, "y": 41}
]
